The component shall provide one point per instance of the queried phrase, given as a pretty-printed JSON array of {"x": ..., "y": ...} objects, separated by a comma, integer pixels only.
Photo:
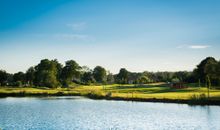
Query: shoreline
[{"x": 199, "y": 102}]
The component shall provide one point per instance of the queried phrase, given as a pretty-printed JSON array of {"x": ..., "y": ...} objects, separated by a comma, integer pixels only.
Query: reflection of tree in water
[
  {"x": 209, "y": 118},
  {"x": 206, "y": 114}
]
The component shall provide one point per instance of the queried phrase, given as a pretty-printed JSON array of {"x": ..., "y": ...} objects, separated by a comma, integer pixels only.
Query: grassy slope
[
  {"x": 157, "y": 91},
  {"x": 151, "y": 91}
]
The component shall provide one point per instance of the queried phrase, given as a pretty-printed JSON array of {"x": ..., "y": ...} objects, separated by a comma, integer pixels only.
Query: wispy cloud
[
  {"x": 72, "y": 36},
  {"x": 81, "y": 37},
  {"x": 193, "y": 46},
  {"x": 199, "y": 46},
  {"x": 77, "y": 26}
]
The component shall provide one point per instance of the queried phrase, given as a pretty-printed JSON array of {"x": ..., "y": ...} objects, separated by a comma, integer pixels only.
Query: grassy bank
[{"x": 150, "y": 92}]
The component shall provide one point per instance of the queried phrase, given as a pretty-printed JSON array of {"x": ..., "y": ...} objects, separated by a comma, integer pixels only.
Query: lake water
[{"x": 76, "y": 113}]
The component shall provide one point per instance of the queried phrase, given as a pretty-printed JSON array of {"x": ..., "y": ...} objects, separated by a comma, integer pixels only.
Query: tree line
[{"x": 51, "y": 73}]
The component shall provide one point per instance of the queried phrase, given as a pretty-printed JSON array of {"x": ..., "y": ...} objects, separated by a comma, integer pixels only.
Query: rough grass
[
  {"x": 150, "y": 91},
  {"x": 147, "y": 91}
]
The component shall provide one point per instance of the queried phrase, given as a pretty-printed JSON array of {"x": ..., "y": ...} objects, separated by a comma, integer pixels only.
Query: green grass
[
  {"x": 147, "y": 91},
  {"x": 155, "y": 91}
]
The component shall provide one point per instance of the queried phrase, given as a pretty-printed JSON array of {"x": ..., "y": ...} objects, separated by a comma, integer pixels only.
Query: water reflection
[
  {"x": 61, "y": 98},
  {"x": 57, "y": 113}
]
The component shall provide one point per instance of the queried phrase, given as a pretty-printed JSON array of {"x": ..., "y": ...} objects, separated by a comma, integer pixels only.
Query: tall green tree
[
  {"x": 213, "y": 72},
  {"x": 110, "y": 78},
  {"x": 218, "y": 73},
  {"x": 19, "y": 79},
  {"x": 30, "y": 76},
  {"x": 87, "y": 75},
  {"x": 99, "y": 74},
  {"x": 19, "y": 76},
  {"x": 3, "y": 77},
  {"x": 122, "y": 76},
  {"x": 143, "y": 80},
  {"x": 46, "y": 74},
  {"x": 87, "y": 78},
  {"x": 59, "y": 68},
  {"x": 202, "y": 69},
  {"x": 70, "y": 72}
]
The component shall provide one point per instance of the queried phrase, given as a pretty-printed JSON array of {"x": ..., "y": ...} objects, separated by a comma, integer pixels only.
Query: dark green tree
[
  {"x": 110, "y": 78},
  {"x": 87, "y": 78},
  {"x": 202, "y": 69},
  {"x": 70, "y": 72},
  {"x": 59, "y": 68},
  {"x": 30, "y": 76},
  {"x": 122, "y": 76},
  {"x": 46, "y": 74},
  {"x": 218, "y": 73},
  {"x": 3, "y": 77},
  {"x": 212, "y": 71},
  {"x": 19, "y": 79},
  {"x": 99, "y": 74}
]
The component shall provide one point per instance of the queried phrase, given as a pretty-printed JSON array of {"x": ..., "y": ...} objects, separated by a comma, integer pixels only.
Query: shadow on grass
[
  {"x": 150, "y": 89},
  {"x": 168, "y": 89},
  {"x": 136, "y": 86}
]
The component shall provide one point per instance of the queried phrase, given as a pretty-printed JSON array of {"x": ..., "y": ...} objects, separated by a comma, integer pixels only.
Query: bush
[
  {"x": 95, "y": 95},
  {"x": 18, "y": 84},
  {"x": 109, "y": 94},
  {"x": 199, "y": 97}
]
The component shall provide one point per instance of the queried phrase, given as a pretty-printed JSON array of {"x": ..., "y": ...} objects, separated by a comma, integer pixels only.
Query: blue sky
[{"x": 153, "y": 35}]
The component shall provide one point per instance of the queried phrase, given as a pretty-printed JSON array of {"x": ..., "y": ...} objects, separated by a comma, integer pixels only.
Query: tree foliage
[
  {"x": 50, "y": 73},
  {"x": 46, "y": 74},
  {"x": 70, "y": 72},
  {"x": 122, "y": 76},
  {"x": 87, "y": 78},
  {"x": 3, "y": 77},
  {"x": 99, "y": 74},
  {"x": 208, "y": 67},
  {"x": 204, "y": 68},
  {"x": 30, "y": 76}
]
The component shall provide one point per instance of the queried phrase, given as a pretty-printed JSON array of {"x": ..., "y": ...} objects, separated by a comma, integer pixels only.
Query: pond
[{"x": 77, "y": 113}]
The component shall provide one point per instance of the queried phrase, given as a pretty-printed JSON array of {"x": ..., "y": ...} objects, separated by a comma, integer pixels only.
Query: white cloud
[
  {"x": 77, "y": 26},
  {"x": 193, "y": 46},
  {"x": 199, "y": 46}
]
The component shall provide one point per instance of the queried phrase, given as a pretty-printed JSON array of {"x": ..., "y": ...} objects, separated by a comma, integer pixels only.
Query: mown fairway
[{"x": 158, "y": 91}]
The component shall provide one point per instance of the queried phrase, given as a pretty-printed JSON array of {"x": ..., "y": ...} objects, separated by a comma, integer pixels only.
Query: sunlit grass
[{"x": 147, "y": 91}]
